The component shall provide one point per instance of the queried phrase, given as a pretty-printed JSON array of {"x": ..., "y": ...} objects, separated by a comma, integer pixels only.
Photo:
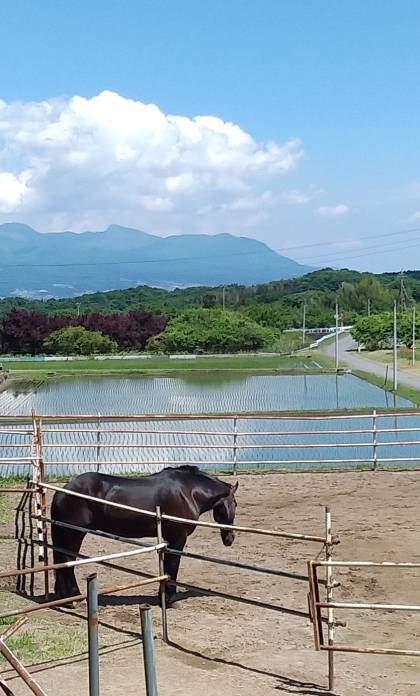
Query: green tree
[
  {"x": 211, "y": 331},
  {"x": 376, "y": 332},
  {"x": 76, "y": 340},
  {"x": 373, "y": 332}
]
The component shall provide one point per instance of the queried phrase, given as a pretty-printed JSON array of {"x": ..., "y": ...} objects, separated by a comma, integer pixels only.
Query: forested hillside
[
  {"x": 320, "y": 289},
  {"x": 134, "y": 318}
]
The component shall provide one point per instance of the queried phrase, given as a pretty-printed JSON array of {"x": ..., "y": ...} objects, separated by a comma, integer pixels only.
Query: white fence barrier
[{"x": 148, "y": 443}]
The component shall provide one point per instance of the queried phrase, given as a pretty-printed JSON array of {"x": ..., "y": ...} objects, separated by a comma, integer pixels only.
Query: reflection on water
[
  {"x": 122, "y": 448},
  {"x": 195, "y": 394}
]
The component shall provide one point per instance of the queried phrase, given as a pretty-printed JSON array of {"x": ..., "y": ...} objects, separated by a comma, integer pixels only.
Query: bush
[
  {"x": 211, "y": 331},
  {"x": 376, "y": 331},
  {"x": 75, "y": 340}
]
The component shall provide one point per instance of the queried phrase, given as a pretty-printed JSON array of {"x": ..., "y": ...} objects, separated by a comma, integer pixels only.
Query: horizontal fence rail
[
  {"x": 225, "y": 443},
  {"x": 316, "y": 605},
  {"x": 78, "y": 598},
  {"x": 184, "y": 520},
  {"x": 188, "y": 554}
]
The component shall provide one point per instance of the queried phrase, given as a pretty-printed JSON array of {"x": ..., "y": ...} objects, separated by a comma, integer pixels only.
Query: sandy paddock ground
[{"x": 223, "y": 647}]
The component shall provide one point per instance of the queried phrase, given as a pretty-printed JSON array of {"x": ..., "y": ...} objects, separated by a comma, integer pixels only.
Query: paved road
[{"x": 348, "y": 355}]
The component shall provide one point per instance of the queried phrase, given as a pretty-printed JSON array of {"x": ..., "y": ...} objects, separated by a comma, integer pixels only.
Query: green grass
[
  {"x": 403, "y": 391},
  {"x": 6, "y": 504},
  {"x": 48, "y": 642},
  {"x": 7, "y": 621},
  {"x": 43, "y": 370}
]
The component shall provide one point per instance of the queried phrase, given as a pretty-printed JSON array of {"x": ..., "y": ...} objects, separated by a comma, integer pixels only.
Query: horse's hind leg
[{"x": 66, "y": 543}]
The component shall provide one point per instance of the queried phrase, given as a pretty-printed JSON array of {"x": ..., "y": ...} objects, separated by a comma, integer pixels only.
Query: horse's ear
[{"x": 235, "y": 487}]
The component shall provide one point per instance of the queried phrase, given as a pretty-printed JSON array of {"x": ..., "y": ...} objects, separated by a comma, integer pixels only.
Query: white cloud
[
  {"x": 12, "y": 190},
  {"x": 334, "y": 210},
  {"x": 298, "y": 197},
  {"x": 415, "y": 217},
  {"x": 83, "y": 163},
  {"x": 251, "y": 202}
]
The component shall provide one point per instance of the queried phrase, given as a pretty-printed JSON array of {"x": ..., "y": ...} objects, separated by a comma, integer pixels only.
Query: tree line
[
  {"x": 192, "y": 320},
  {"x": 24, "y": 331},
  {"x": 377, "y": 331}
]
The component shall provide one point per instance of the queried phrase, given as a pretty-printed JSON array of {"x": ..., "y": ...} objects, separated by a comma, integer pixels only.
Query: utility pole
[
  {"x": 368, "y": 307},
  {"x": 413, "y": 347},
  {"x": 336, "y": 336},
  {"x": 394, "y": 361},
  {"x": 403, "y": 295},
  {"x": 223, "y": 298},
  {"x": 304, "y": 323},
  {"x": 78, "y": 308}
]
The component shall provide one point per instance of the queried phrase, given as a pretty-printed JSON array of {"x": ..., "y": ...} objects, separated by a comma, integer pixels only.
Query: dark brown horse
[{"x": 183, "y": 492}]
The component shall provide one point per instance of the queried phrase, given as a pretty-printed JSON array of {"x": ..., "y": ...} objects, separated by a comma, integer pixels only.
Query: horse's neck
[{"x": 210, "y": 495}]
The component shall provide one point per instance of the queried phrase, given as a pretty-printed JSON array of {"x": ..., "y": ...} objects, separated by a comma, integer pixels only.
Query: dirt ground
[{"x": 223, "y": 647}]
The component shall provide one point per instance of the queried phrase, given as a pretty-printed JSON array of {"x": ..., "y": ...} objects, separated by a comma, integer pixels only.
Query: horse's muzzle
[{"x": 227, "y": 537}]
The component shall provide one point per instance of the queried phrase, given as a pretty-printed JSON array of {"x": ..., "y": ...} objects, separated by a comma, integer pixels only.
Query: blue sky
[{"x": 333, "y": 87}]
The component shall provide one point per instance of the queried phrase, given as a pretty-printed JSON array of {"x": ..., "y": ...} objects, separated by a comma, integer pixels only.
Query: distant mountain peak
[
  {"x": 117, "y": 229},
  {"x": 67, "y": 264},
  {"x": 16, "y": 230}
]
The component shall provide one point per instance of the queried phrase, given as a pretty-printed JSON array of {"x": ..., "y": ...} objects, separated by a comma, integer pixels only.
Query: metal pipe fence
[
  {"x": 39, "y": 489},
  {"x": 316, "y": 605},
  {"x": 231, "y": 443}
]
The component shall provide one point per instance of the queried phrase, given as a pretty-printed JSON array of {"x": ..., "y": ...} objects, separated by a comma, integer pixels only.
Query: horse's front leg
[{"x": 171, "y": 566}]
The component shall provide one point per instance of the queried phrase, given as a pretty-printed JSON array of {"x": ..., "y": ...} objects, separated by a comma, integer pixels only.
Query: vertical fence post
[
  {"x": 92, "y": 606},
  {"x": 40, "y": 498},
  {"x": 148, "y": 650},
  {"x": 374, "y": 442},
  {"x": 162, "y": 585},
  {"x": 43, "y": 500},
  {"x": 98, "y": 443},
  {"x": 330, "y": 585},
  {"x": 235, "y": 445}
]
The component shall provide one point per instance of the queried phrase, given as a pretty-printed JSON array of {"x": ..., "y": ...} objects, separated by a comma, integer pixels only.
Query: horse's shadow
[
  {"x": 285, "y": 684},
  {"x": 151, "y": 600}
]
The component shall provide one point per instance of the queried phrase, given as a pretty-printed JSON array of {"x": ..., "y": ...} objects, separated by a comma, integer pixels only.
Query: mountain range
[{"x": 67, "y": 264}]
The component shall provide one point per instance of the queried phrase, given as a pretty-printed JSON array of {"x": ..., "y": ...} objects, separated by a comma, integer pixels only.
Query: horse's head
[{"x": 224, "y": 513}]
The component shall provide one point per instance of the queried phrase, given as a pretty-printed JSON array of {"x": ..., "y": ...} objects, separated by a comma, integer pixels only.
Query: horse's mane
[
  {"x": 190, "y": 468},
  {"x": 196, "y": 471}
]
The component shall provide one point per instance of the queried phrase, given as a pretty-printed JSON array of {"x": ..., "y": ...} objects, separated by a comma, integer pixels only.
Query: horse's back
[{"x": 144, "y": 493}]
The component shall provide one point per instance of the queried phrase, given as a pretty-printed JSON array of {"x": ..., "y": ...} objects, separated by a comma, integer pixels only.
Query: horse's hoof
[{"x": 71, "y": 604}]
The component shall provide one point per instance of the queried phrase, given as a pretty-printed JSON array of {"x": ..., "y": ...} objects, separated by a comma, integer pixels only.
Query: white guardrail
[{"x": 148, "y": 443}]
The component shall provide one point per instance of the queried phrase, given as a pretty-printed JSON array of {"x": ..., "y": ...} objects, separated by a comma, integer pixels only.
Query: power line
[
  {"x": 345, "y": 256},
  {"x": 359, "y": 239},
  {"x": 131, "y": 262}
]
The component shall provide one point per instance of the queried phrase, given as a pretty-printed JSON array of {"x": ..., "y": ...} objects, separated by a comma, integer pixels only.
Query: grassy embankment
[
  {"x": 404, "y": 358},
  {"x": 41, "y": 371},
  {"x": 403, "y": 391}
]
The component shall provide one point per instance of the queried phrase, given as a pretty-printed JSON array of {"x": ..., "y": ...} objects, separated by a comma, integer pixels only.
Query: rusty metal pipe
[
  {"x": 189, "y": 554},
  {"x": 371, "y": 651},
  {"x": 183, "y": 520},
  {"x": 13, "y": 628},
  {"x": 83, "y": 561},
  {"x": 20, "y": 669},
  {"x": 93, "y": 641},
  {"x": 148, "y": 650},
  {"x": 80, "y": 597}
]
